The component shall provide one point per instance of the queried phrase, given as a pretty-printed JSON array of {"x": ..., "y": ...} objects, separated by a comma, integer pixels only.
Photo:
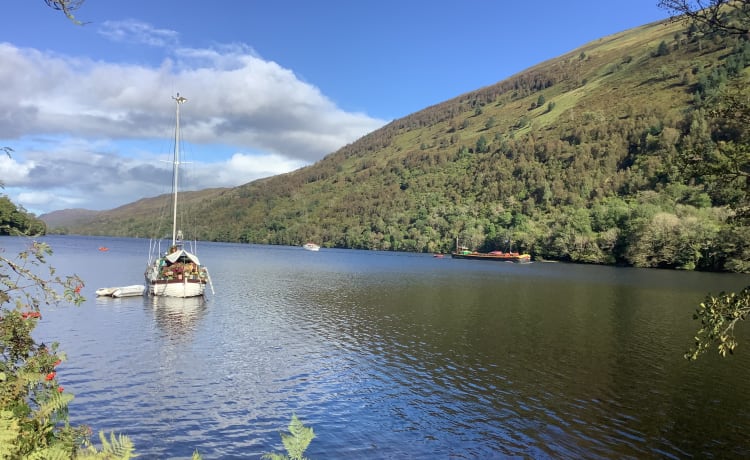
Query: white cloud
[
  {"x": 77, "y": 174},
  {"x": 34, "y": 200},
  {"x": 236, "y": 99},
  {"x": 132, "y": 31},
  {"x": 247, "y": 168},
  {"x": 12, "y": 172},
  {"x": 73, "y": 115}
]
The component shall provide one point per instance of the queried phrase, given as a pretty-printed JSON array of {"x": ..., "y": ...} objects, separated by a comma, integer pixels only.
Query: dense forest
[
  {"x": 15, "y": 220},
  {"x": 589, "y": 157}
]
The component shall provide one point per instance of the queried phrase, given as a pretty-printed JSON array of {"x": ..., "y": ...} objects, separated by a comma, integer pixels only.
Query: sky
[{"x": 272, "y": 86}]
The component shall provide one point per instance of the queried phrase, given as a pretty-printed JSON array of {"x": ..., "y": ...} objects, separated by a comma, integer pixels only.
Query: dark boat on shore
[{"x": 493, "y": 255}]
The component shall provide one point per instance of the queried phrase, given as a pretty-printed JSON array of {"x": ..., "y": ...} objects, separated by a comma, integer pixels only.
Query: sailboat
[{"x": 176, "y": 272}]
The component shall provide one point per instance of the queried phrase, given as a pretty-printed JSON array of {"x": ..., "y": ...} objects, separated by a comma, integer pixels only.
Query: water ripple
[{"x": 399, "y": 356}]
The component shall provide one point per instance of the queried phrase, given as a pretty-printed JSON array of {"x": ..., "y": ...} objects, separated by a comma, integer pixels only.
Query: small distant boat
[
  {"x": 104, "y": 249},
  {"x": 311, "y": 247},
  {"x": 122, "y": 291},
  {"x": 105, "y": 292},
  {"x": 438, "y": 255}
]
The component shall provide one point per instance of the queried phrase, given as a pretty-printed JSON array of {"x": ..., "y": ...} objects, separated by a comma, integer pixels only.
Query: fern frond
[
  {"x": 273, "y": 456},
  {"x": 296, "y": 443},
  {"x": 49, "y": 453},
  {"x": 57, "y": 402},
  {"x": 9, "y": 432},
  {"x": 121, "y": 446}
]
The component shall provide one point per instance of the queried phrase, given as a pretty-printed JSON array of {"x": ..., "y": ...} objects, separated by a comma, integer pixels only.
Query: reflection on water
[
  {"x": 178, "y": 317},
  {"x": 393, "y": 355}
]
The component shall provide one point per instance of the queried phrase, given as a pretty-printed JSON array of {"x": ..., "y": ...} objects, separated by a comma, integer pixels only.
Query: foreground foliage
[
  {"x": 717, "y": 154},
  {"x": 727, "y": 16},
  {"x": 718, "y": 316},
  {"x": 295, "y": 442},
  {"x": 33, "y": 405},
  {"x": 66, "y": 7}
]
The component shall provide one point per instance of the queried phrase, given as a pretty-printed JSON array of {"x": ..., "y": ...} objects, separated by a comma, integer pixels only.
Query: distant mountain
[
  {"x": 68, "y": 217},
  {"x": 145, "y": 217},
  {"x": 576, "y": 158}
]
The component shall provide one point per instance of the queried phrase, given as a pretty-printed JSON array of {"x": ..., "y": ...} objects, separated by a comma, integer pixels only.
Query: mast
[{"x": 176, "y": 166}]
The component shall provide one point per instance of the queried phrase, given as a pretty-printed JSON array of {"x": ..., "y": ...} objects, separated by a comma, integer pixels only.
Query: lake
[{"x": 395, "y": 355}]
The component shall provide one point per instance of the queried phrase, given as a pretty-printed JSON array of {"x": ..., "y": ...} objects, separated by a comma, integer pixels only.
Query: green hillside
[
  {"x": 15, "y": 220},
  {"x": 577, "y": 158}
]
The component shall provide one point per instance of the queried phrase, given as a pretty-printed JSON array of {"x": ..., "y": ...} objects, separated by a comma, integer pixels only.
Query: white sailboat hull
[
  {"x": 177, "y": 288},
  {"x": 177, "y": 274}
]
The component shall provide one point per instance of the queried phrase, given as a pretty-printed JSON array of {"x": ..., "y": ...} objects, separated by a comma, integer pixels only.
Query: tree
[
  {"x": 719, "y": 159},
  {"x": 663, "y": 49},
  {"x": 14, "y": 220},
  {"x": 726, "y": 16},
  {"x": 723, "y": 161},
  {"x": 66, "y": 6},
  {"x": 481, "y": 146}
]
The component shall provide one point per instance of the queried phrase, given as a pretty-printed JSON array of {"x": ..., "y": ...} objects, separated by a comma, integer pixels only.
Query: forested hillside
[
  {"x": 15, "y": 220},
  {"x": 586, "y": 157}
]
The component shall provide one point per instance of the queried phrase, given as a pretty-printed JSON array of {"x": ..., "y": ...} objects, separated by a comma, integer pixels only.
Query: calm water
[{"x": 392, "y": 355}]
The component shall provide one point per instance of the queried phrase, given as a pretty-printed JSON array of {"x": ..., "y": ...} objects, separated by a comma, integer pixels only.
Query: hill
[
  {"x": 143, "y": 218},
  {"x": 577, "y": 158},
  {"x": 68, "y": 217}
]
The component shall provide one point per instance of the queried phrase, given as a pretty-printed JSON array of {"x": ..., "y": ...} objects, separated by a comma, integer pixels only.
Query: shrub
[{"x": 33, "y": 405}]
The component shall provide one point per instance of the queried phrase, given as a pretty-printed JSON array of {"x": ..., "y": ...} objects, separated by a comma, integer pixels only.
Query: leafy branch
[
  {"x": 67, "y": 7},
  {"x": 728, "y": 16},
  {"x": 718, "y": 316}
]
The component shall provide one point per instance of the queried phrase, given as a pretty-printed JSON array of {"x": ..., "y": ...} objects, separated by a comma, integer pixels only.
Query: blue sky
[{"x": 271, "y": 86}]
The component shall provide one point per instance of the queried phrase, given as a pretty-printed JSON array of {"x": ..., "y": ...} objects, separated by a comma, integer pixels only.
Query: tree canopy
[
  {"x": 727, "y": 16},
  {"x": 66, "y": 6},
  {"x": 716, "y": 153}
]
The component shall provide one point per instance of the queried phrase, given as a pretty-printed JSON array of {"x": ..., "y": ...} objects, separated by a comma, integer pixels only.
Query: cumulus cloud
[
  {"x": 74, "y": 114},
  {"x": 235, "y": 98},
  {"x": 255, "y": 166}
]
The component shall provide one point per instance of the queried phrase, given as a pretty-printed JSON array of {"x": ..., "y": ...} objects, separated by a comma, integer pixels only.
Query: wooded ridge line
[{"x": 584, "y": 158}]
